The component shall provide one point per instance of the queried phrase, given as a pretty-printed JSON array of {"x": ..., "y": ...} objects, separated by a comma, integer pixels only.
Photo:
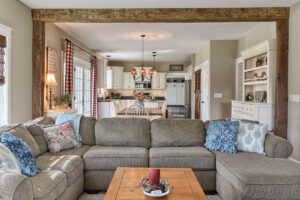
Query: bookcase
[{"x": 257, "y": 95}]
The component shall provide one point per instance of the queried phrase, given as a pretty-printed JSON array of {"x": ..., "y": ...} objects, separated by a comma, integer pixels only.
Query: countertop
[{"x": 159, "y": 99}]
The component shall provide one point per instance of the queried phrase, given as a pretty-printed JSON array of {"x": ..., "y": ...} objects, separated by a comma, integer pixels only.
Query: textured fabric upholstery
[
  {"x": 34, "y": 127},
  {"x": 260, "y": 177},
  {"x": 48, "y": 185},
  {"x": 37, "y": 133},
  {"x": 197, "y": 158},
  {"x": 73, "y": 191},
  {"x": 127, "y": 132},
  {"x": 109, "y": 158},
  {"x": 97, "y": 179},
  {"x": 79, "y": 152},
  {"x": 87, "y": 130},
  {"x": 277, "y": 147},
  {"x": 15, "y": 187},
  {"x": 207, "y": 180},
  {"x": 71, "y": 165},
  {"x": 177, "y": 132},
  {"x": 21, "y": 131}
]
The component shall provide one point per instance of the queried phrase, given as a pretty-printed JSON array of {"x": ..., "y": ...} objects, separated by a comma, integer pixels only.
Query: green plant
[
  {"x": 259, "y": 61},
  {"x": 65, "y": 99}
]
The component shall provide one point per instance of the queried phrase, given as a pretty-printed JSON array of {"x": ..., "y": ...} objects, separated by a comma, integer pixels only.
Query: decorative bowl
[{"x": 155, "y": 191}]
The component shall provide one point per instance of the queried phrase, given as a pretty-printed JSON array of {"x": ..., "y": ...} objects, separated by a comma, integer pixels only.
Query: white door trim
[
  {"x": 200, "y": 67},
  {"x": 7, "y": 32}
]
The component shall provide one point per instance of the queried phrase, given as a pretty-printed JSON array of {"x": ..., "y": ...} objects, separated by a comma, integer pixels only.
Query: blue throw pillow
[
  {"x": 22, "y": 152},
  {"x": 222, "y": 136}
]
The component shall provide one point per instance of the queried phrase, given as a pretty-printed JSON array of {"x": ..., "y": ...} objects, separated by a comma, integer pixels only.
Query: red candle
[{"x": 154, "y": 176}]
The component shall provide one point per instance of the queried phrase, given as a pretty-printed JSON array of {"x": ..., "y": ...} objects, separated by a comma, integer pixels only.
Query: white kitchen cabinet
[
  {"x": 159, "y": 81},
  {"x": 151, "y": 104},
  {"x": 176, "y": 93},
  {"x": 103, "y": 110},
  {"x": 115, "y": 77},
  {"x": 128, "y": 82},
  {"x": 261, "y": 112}
]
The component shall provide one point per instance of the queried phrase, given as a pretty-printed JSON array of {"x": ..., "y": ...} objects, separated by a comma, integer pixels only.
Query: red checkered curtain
[
  {"x": 69, "y": 68},
  {"x": 94, "y": 103}
]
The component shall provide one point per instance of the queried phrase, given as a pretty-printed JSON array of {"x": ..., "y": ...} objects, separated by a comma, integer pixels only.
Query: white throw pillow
[
  {"x": 251, "y": 137},
  {"x": 8, "y": 162}
]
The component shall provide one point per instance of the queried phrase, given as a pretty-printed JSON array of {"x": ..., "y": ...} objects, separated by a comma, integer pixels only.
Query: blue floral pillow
[
  {"x": 222, "y": 136},
  {"x": 251, "y": 137},
  {"x": 22, "y": 152}
]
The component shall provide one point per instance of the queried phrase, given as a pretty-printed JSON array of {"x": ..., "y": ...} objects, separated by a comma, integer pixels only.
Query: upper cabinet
[
  {"x": 114, "y": 77},
  {"x": 128, "y": 82},
  {"x": 159, "y": 81}
]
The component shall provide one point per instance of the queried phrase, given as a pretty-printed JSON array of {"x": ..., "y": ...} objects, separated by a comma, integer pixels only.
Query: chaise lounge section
[{"x": 128, "y": 142}]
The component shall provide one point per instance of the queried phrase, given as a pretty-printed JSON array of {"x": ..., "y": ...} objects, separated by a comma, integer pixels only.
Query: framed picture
[{"x": 176, "y": 68}]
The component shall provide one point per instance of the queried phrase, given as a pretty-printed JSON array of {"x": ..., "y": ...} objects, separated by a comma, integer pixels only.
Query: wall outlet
[
  {"x": 295, "y": 98},
  {"x": 218, "y": 95}
]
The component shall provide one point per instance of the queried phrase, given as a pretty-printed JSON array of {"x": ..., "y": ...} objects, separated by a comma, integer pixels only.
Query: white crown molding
[
  {"x": 260, "y": 48},
  {"x": 5, "y": 31}
]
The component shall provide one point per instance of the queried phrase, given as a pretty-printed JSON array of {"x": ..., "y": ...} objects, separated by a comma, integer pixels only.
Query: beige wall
[
  {"x": 18, "y": 17},
  {"x": 294, "y": 81},
  {"x": 221, "y": 55},
  {"x": 222, "y": 79},
  {"x": 55, "y": 38},
  {"x": 202, "y": 54},
  {"x": 263, "y": 32},
  {"x": 160, "y": 66}
]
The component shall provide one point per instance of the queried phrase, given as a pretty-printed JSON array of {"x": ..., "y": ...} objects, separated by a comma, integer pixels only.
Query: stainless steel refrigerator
[{"x": 188, "y": 99}]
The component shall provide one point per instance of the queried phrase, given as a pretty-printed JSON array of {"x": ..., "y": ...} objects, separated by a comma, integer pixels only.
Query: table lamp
[{"x": 50, "y": 81}]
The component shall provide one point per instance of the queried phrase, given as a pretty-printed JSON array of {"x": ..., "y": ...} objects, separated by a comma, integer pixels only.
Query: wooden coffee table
[{"x": 182, "y": 182}]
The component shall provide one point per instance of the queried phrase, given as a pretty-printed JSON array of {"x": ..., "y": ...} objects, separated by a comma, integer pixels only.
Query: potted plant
[
  {"x": 65, "y": 100},
  {"x": 259, "y": 62}
]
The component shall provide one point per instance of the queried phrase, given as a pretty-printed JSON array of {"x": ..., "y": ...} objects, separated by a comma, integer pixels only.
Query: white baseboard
[{"x": 296, "y": 161}]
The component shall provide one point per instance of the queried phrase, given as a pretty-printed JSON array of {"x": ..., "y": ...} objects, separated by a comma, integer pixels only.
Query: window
[
  {"x": 5, "y": 62},
  {"x": 82, "y": 87}
]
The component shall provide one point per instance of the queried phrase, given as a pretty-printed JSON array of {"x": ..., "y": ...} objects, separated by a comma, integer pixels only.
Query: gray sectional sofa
[{"x": 129, "y": 142}]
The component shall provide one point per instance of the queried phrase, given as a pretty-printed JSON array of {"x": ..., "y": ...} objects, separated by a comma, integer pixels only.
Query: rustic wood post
[
  {"x": 38, "y": 68},
  {"x": 281, "y": 94}
]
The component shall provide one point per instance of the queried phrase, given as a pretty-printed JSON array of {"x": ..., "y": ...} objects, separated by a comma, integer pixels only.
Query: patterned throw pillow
[
  {"x": 251, "y": 137},
  {"x": 8, "y": 162},
  {"x": 22, "y": 152},
  {"x": 60, "y": 137},
  {"x": 222, "y": 136}
]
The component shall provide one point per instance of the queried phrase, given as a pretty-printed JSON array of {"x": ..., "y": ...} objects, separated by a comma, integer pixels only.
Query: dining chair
[
  {"x": 164, "y": 108},
  {"x": 137, "y": 110}
]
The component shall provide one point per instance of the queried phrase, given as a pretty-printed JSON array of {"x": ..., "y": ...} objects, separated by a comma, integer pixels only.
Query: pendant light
[
  {"x": 152, "y": 72},
  {"x": 143, "y": 71}
]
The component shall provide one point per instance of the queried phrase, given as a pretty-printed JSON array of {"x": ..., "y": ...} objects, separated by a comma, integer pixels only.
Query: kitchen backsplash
[{"x": 156, "y": 93}]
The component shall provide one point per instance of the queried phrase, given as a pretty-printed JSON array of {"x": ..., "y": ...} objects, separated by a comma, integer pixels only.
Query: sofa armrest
[
  {"x": 15, "y": 186},
  {"x": 277, "y": 147}
]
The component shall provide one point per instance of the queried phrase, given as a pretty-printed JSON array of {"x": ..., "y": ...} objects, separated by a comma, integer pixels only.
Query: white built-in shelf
[
  {"x": 256, "y": 68},
  {"x": 256, "y": 82}
]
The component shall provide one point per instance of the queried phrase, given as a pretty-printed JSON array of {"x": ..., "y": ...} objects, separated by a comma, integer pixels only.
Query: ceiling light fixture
[
  {"x": 152, "y": 72},
  {"x": 142, "y": 71}
]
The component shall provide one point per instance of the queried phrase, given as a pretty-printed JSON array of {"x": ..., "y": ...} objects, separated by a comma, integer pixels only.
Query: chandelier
[{"x": 143, "y": 71}]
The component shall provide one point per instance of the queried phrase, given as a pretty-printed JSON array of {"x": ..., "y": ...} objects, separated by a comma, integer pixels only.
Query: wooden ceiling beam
[{"x": 167, "y": 15}]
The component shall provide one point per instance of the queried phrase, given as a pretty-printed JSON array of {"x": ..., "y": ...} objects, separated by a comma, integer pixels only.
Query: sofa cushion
[
  {"x": 197, "y": 158},
  {"x": 127, "y": 132},
  {"x": 34, "y": 127},
  {"x": 258, "y": 176},
  {"x": 49, "y": 184},
  {"x": 72, "y": 166},
  {"x": 21, "y": 131},
  {"x": 109, "y": 158},
  {"x": 79, "y": 152},
  {"x": 277, "y": 147},
  {"x": 177, "y": 132},
  {"x": 87, "y": 130}
]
